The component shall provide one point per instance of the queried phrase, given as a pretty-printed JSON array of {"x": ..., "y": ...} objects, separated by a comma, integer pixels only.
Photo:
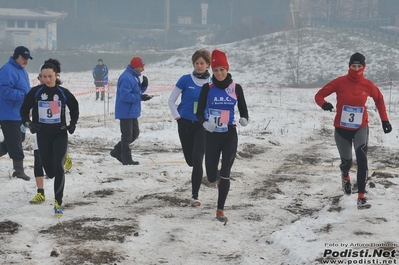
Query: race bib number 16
[{"x": 220, "y": 118}]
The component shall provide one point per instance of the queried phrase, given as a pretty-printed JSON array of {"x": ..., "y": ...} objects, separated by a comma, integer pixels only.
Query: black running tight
[
  {"x": 359, "y": 138},
  {"x": 192, "y": 139},
  {"x": 52, "y": 149},
  {"x": 224, "y": 144}
]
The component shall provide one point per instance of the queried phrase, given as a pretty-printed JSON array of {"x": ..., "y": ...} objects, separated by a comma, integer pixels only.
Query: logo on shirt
[
  {"x": 191, "y": 87},
  {"x": 221, "y": 99},
  {"x": 229, "y": 90},
  {"x": 44, "y": 96}
]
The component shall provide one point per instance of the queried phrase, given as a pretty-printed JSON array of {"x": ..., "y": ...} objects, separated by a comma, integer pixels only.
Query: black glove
[
  {"x": 145, "y": 97},
  {"x": 386, "y": 126},
  {"x": 34, "y": 127},
  {"x": 327, "y": 106},
  {"x": 145, "y": 82},
  {"x": 71, "y": 128}
]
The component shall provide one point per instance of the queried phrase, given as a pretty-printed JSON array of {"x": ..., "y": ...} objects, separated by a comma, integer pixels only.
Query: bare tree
[{"x": 293, "y": 44}]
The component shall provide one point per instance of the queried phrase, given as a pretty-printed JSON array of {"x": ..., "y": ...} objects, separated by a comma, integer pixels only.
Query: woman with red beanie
[
  {"x": 351, "y": 121},
  {"x": 215, "y": 112}
]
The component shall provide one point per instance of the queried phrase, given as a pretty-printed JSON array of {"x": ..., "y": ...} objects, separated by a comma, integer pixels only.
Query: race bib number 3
[
  {"x": 352, "y": 117},
  {"x": 49, "y": 111}
]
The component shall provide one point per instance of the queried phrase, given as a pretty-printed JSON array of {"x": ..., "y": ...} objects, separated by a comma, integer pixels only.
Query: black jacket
[{"x": 43, "y": 98}]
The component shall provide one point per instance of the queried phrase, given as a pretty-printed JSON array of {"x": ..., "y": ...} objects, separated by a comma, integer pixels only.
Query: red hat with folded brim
[
  {"x": 219, "y": 59},
  {"x": 136, "y": 62}
]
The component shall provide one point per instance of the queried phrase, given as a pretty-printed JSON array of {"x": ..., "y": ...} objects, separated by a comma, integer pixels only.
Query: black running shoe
[
  {"x": 346, "y": 186},
  {"x": 116, "y": 155},
  {"x": 130, "y": 162},
  {"x": 362, "y": 204}
]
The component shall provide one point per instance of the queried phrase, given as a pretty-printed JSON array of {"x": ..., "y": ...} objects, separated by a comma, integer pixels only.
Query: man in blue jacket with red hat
[{"x": 129, "y": 94}]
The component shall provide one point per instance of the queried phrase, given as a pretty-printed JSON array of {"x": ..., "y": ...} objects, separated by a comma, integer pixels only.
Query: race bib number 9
[
  {"x": 218, "y": 117},
  {"x": 49, "y": 112},
  {"x": 352, "y": 117}
]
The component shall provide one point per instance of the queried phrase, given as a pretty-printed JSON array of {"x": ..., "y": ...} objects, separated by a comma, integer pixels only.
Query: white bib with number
[
  {"x": 46, "y": 113},
  {"x": 351, "y": 117},
  {"x": 215, "y": 116}
]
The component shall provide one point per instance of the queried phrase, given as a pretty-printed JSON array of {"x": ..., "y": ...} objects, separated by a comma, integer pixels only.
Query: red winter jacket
[{"x": 352, "y": 94}]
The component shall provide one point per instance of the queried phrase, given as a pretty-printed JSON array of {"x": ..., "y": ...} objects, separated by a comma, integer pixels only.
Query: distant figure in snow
[
  {"x": 351, "y": 121},
  {"x": 216, "y": 107},
  {"x": 100, "y": 75},
  {"x": 191, "y": 132}
]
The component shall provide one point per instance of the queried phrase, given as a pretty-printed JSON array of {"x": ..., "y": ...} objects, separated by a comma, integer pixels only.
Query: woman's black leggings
[
  {"x": 192, "y": 139},
  {"x": 359, "y": 138},
  {"x": 52, "y": 149},
  {"x": 217, "y": 144}
]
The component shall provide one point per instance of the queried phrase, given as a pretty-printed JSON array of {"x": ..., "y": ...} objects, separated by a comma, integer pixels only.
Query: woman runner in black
[
  {"x": 216, "y": 114},
  {"x": 48, "y": 104}
]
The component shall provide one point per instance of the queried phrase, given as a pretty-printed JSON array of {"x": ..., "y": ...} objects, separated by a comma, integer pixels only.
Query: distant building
[{"x": 35, "y": 29}]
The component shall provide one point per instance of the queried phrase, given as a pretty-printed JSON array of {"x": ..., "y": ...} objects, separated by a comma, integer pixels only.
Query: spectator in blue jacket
[
  {"x": 129, "y": 94},
  {"x": 14, "y": 85},
  {"x": 100, "y": 75}
]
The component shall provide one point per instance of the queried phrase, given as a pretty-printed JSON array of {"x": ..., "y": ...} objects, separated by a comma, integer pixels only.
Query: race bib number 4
[
  {"x": 352, "y": 117},
  {"x": 49, "y": 111}
]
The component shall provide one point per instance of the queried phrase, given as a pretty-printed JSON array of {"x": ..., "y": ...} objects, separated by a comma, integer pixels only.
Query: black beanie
[{"x": 357, "y": 58}]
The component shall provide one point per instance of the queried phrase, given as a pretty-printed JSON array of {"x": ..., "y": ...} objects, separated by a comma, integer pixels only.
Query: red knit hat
[
  {"x": 136, "y": 62},
  {"x": 219, "y": 59}
]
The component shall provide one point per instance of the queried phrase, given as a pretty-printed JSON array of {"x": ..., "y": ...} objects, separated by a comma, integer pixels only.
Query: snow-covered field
[{"x": 285, "y": 204}]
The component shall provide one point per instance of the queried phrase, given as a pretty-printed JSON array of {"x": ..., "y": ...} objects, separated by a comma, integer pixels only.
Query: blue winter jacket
[
  {"x": 14, "y": 85},
  {"x": 128, "y": 95},
  {"x": 104, "y": 74}
]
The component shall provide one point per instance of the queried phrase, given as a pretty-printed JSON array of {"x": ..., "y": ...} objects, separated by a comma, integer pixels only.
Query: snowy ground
[{"x": 285, "y": 204}]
